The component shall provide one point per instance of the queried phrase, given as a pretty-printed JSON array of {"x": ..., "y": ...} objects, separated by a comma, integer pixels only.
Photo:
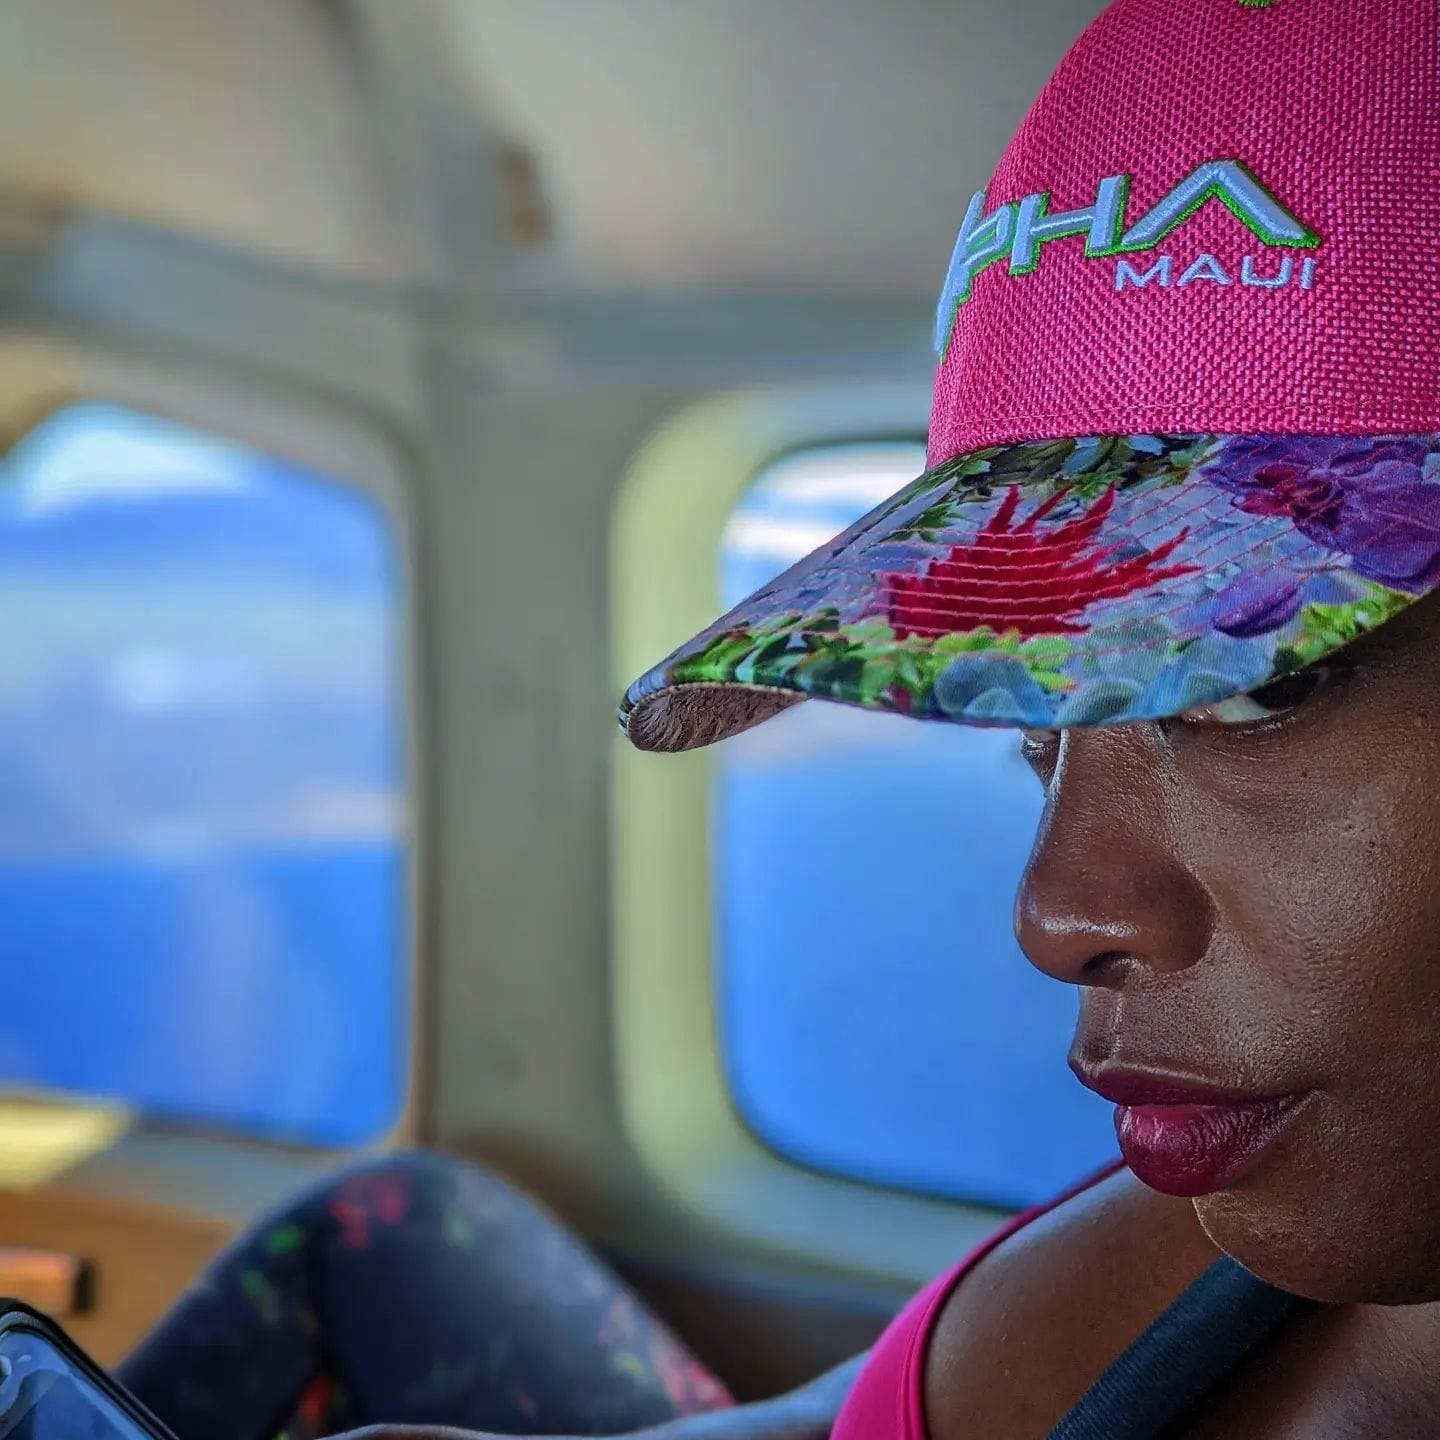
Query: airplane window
[
  {"x": 201, "y": 782},
  {"x": 878, "y": 1020}
]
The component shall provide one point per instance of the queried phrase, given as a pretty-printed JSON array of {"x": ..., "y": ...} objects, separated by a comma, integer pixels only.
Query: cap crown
[{"x": 1218, "y": 217}]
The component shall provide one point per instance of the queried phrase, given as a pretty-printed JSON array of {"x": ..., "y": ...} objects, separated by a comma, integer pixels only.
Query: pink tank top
[{"x": 887, "y": 1401}]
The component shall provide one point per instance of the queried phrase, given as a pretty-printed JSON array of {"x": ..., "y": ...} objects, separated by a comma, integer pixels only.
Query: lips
[{"x": 1189, "y": 1138}]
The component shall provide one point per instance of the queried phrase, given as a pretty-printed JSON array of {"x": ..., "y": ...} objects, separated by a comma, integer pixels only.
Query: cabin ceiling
[
  {"x": 588, "y": 145},
  {"x": 824, "y": 144}
]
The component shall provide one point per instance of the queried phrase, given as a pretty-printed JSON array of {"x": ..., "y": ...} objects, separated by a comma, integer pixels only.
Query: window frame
[
  {"x": 674, "y": 1103},
  {"x": 43, "y": 373}
]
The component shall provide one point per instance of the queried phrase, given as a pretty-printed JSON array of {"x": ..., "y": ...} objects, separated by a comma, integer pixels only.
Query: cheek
[
  {"x": 1328, "y": 899},
  {"x": 1327, "y": 886}
]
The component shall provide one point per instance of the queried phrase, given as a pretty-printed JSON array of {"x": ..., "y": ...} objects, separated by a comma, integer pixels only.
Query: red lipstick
[{"x": 1187, "y": 1138}]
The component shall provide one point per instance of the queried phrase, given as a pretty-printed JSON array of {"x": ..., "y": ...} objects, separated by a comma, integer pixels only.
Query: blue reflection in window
[
  {"x": 202, "y": 830},
  {"x": 878, "y": 1019}
]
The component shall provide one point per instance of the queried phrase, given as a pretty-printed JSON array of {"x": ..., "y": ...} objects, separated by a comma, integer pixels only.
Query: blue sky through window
[
  {"x": 202, "y": 794},
  {"x": 878, "y": 1019}
]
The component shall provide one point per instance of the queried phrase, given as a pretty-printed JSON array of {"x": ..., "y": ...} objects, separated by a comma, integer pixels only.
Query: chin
[{"x": 1324, "y": 1252}]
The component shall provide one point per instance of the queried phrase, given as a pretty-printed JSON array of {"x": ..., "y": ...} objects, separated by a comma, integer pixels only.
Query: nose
[{"x": 1107, "y": 896}]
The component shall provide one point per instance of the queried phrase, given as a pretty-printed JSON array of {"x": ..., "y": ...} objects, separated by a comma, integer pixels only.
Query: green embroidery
[{"x": 1260, "y": 211}]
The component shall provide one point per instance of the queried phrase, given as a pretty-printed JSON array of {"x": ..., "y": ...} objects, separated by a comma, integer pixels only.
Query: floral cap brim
[{"x": 1074, "y": 582}]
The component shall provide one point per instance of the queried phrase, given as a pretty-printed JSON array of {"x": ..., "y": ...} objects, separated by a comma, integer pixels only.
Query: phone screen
[{"x": 44, "y": 1397}]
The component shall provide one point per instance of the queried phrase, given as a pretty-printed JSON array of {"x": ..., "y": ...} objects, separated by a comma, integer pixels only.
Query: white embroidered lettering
[
  {"x": 1204, "y": 267},
  {"x": 1127, "y": 274},
  {"x": 1250, "y": 276}
]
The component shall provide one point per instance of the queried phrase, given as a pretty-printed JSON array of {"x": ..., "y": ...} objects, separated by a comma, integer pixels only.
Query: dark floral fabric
[
  {"x": 415, "y": 1290},
  {"x": 1371, "y": 500},
  {"x": 1091, "y": 581}
]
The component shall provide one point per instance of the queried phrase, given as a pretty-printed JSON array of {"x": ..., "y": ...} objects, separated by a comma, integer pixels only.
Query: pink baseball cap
[{"x": 1186, "y": 429}]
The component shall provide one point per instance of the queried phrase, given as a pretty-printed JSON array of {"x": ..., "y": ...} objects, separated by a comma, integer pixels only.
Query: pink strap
[{"x": 887, "y": 1401}]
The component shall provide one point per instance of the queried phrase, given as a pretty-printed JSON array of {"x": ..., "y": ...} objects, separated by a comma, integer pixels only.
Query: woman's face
[{"x": 1255, "y": 906}]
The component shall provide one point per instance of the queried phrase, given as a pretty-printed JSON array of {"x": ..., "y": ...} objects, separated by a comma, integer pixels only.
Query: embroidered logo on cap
[{"x": 1017, "y": 232}]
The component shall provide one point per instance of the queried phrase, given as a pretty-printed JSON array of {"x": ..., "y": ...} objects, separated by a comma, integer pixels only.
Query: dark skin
[
  {"x": 1250, "y": 897},
  {"x": 1254, "y": 904}
]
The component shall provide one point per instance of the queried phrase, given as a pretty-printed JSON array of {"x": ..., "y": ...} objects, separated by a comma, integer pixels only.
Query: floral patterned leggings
[{"x": 413, "y": 1289}]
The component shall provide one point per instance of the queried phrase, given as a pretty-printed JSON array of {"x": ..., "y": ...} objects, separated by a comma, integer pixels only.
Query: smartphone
[{"x": 51, "y": 1390}]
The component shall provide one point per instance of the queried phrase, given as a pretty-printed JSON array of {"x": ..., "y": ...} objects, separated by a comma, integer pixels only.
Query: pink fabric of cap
[
  {"x": 1185, "y": 440},
  {"x": 1335, "y": 108}
]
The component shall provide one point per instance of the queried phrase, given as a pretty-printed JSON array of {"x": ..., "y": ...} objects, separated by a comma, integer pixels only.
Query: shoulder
[{"x": 1039, "y": 1319}]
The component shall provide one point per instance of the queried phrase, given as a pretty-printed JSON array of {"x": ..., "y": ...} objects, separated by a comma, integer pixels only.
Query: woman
[
  {"x": 1213, "y": 245},
  {"x": 1181, "y": 522}
]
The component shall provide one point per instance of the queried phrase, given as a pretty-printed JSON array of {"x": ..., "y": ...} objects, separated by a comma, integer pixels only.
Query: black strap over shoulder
[{"x": 1198, "y": 1341}]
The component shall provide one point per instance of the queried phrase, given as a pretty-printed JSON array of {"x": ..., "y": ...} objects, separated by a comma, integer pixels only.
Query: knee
[
  {"x": 420, "y": 1188},
  {"x": 424, "y": 1169}
]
